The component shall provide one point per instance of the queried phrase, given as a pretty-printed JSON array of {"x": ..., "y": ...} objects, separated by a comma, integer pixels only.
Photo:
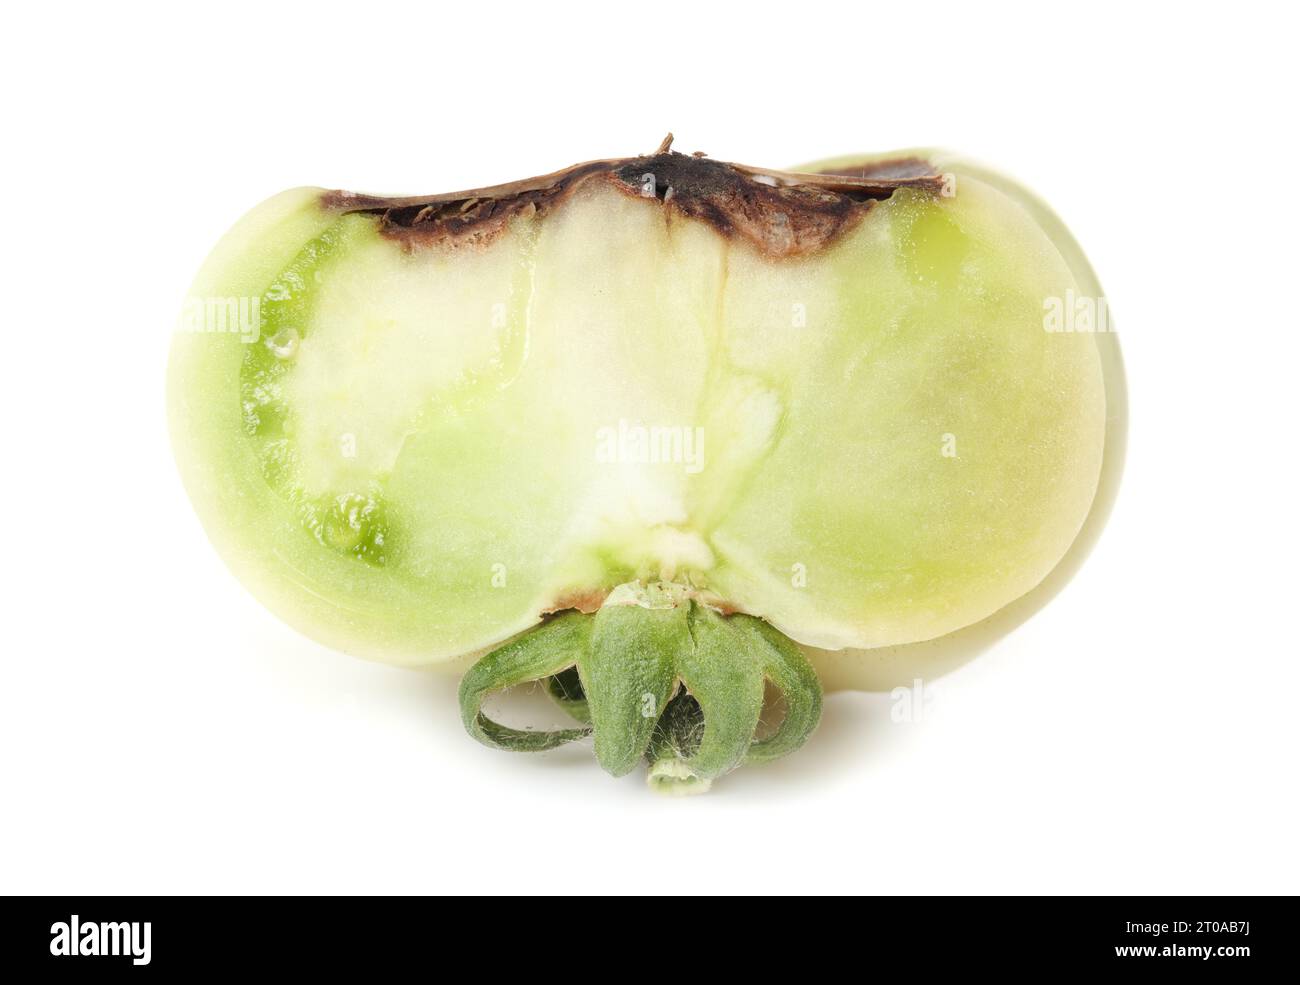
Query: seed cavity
[
  {"x": 355, "y": 522},
  {"x": 351, "y": 523}
]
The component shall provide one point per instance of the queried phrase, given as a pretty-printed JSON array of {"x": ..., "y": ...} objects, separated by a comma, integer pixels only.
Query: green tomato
[{"x": 703, "y": 412}]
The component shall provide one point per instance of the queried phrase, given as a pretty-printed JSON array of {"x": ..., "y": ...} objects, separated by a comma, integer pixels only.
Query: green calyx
[{"x": 654, "y": 675}]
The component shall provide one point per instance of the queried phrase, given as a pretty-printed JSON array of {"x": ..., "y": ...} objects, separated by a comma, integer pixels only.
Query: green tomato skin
[{"x": 423, "y": 452}]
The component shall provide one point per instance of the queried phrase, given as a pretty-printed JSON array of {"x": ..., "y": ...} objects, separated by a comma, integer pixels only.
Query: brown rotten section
[{"x": 780, "y": 213}]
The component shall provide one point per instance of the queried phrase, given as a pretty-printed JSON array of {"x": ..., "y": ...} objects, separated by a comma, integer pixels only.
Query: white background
[{"x": 160, "y": 732}]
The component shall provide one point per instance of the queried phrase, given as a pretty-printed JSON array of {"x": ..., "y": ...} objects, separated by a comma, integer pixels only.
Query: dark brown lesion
[
  {"x": 780, "y": 213},
  {"x": 465, "y": 218}
]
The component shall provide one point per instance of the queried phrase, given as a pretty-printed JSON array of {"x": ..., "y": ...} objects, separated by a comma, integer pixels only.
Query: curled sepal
[
  {"x": 720, "y": 671},
  {"x": 655, "y": 673},
  {"x": 676, "y": 739},
  {"x": 790, "y": 672},
  {"x": 628, "y": 674},
  {"x": 565, "y": 689},
  {"x": 543, "y": 651}
]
